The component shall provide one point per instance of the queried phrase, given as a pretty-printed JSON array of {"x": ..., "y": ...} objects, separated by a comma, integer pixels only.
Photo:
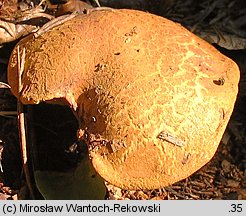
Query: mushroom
[{"x": 153, "y": 100}]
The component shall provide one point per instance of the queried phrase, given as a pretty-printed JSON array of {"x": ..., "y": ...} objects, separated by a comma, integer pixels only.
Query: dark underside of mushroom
[{"x": 55, "y": 143}]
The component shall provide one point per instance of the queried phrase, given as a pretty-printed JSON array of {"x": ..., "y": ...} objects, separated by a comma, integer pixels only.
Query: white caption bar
[{"x": 74, "y": 208}]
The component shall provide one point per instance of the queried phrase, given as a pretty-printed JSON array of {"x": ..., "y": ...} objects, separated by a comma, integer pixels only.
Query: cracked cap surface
[{"x": 142, "y": 85}]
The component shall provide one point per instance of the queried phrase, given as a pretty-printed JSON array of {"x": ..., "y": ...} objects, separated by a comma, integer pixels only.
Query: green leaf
[{"x": 80, "y": 183}]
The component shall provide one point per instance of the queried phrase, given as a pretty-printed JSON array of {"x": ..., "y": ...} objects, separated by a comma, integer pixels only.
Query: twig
[
  {"x": 8, "y": 113},
  {"x": 21, "y": 121},
  {"x": 1, "y": 152},
  {"x": 33, "y": 16},
  {"x": 55, "y": 22},
  {"x": 97, "y": 2},
  {"x": 170, "y": 138},
  {"x": 4, "y": 85},
  {"x": 170, "y": 190},
  {"x": 64, "y": 18}
]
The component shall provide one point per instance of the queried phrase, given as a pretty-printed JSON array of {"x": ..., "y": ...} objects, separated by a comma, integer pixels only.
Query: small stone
[
  {"x": 141, "y": 195},
  {"x": 4, "y": 196},
  {"x": 226, "y": 165},
  {"x": 15, "y": 197},
  {"x": 232, "y": 183},
  {"x": 114, "y": 192}
]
